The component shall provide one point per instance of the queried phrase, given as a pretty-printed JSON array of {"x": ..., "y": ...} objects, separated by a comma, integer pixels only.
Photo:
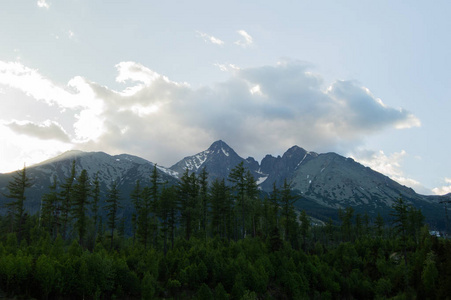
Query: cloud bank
[{"x": 257, "y": 111}]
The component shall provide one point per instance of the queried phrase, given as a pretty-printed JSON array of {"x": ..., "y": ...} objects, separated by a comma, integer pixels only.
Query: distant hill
[{"x": 325, "y": 181}]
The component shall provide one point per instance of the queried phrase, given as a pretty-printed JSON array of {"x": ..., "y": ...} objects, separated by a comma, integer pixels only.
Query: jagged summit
[
  {"x": 326, "y": 181},
  {"x": 220, "y": 147}
]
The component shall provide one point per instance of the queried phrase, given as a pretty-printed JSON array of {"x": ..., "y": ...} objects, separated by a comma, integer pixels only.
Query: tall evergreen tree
[
  {"x": 168, "y": 214},
  {"x": 400, "y": 223},
  {"x": 81, "y": 194},
  {"x": 95, "y": 200},
  {"x": 221, "y": 209},
  {"x": 305, "y": 226},
  {"x": 66, "y": 195},
  {"x": 346, "y": 222},
  {"x": 112, "y": 207},
  {"x": 136, "y": 198},
  {"x": 50, "y": 209},
  {"x": 287, "y": 200},
  {"x": 188, "y": 194},
  {"x": 379, "y": 225},
  {"x": 154, "y": 196},
  {"x": 16, "y": 191},
  {"x": 203, "y": 199},
  {"x": 238, "y": 180},
  {"x": 274, "y": 199},
  {"x": 253, "y": 202}
]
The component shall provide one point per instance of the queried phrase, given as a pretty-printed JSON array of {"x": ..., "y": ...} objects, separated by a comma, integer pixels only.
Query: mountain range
[{"x": 325, "y": 182}]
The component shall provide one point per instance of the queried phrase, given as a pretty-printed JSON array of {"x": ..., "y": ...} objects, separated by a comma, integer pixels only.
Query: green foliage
[
  {"x": 16, "y": 191},
  {"x": 215, "y": 242}
]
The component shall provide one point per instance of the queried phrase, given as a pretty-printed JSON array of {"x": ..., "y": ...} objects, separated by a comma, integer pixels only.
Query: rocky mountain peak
[{"x": 221, "y": 147}]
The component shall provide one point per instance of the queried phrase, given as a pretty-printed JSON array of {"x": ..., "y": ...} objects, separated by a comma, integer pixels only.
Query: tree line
[{"x": 209, "y": 241}]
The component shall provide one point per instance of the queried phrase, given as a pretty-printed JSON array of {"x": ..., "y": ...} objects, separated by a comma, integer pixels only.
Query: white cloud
[
  {"x": 43, "y": 4},
  {"x": 257, "y": 111},
  {"x": 246, "y": 39},
  {"x": 443, "y": 190},
  {"x": 227, "y": 67},
  {"x": 210, "y": 38},
  {"x": 389, "y": 165}
]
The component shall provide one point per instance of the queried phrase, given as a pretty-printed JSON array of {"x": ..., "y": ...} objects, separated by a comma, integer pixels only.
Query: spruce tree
[
  {"x": 16, "y": 191},
  {"x": 203, "y": 199},
  {"x": 287, "y": 200},
  {"x": 221, "y": 208},
  {"x": 187, "y": 194},
  {"x": 49, "y": 217},
  {"x": 136, "y": 198},
  {"x": 66, "y": 199},
  {"x": 81, "y": 194},
  {"x": 168, "y": 215},
  {"x": 238, "y": 180},
  {"x": 112, "y": 207},
  {"x": 95, "y": 200},
  {"x": 400, "y": 223},
  {"x": 305, "y": 226}
]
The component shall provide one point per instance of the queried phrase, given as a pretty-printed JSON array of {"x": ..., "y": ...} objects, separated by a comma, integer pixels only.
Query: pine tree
[
  {"x": 136, "y": 197},
  {"x": 379, "y": 225},
  {"x": 49, "y": 217},
  {"x": 168, "y": 214},
  {"x": 16, "y": 191},
  {"x": 400, "y": 223},
  {"x": 66, "y": 199},
  {"x": 238, "y": 180},
  {"x": 253, "y": 202},
  {"x": 81, "y": 194},
  {"x": 274, "y": 199},
  {"x": 188, "y": 194},
  {"x": 221, "y": 209},
  {"x": 203, "y": 199},
  {"x": 346, "y": 222},
  {"x": 154, "y": 195},
  {"x": 287, "y": 200},
  {"x": 305, "y": 226},
  {"x": 112, "y": 207},
  {"x": 95, "y": 200}
]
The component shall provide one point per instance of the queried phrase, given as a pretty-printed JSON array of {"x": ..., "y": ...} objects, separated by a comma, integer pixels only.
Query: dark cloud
[{"x": 45, "y": 131}]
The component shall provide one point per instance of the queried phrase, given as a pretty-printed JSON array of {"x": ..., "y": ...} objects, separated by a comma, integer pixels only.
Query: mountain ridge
[{"x": 325, "y": 181}]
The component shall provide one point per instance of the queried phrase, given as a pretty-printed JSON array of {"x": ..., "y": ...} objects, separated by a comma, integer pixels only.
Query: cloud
[
  {"x": 226, "y": 67},
  {"x": 210, "y": 39},
  {"x": 257, "y": 111},
  {"x": 48, "y": 130},
  {"x": 443, "y": 190},
  {"x": 33, "y": 84},
  {"x": 43, "y": 4},
  {"x": 389, "y": 165},
  {"x": 246, "y": 40}
]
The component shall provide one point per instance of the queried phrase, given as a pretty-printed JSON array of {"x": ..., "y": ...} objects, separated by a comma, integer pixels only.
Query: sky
[{"x": 165, "y": 79}]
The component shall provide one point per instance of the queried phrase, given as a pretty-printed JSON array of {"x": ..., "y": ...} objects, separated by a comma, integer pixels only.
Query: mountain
[
  {"x": 219, "y": 159},
  {"x": 325, "y": 182},
  {"x": 124, "y": 168}
]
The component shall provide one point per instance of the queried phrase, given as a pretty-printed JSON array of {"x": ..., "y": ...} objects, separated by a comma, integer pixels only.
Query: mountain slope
[
  {"x": 325, "y": 181},
  {"x": 124, "y": 168}
]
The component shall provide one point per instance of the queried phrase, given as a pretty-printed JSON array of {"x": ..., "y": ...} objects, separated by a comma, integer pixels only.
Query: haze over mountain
[{"x": 325, "y": 182}]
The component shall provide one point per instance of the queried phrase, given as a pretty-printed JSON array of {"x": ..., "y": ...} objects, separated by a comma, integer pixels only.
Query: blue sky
[{"x": 164, "y": 79}]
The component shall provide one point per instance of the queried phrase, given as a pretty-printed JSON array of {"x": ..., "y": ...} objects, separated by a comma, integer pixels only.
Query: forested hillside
[{"x": 210, "y": 241}]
